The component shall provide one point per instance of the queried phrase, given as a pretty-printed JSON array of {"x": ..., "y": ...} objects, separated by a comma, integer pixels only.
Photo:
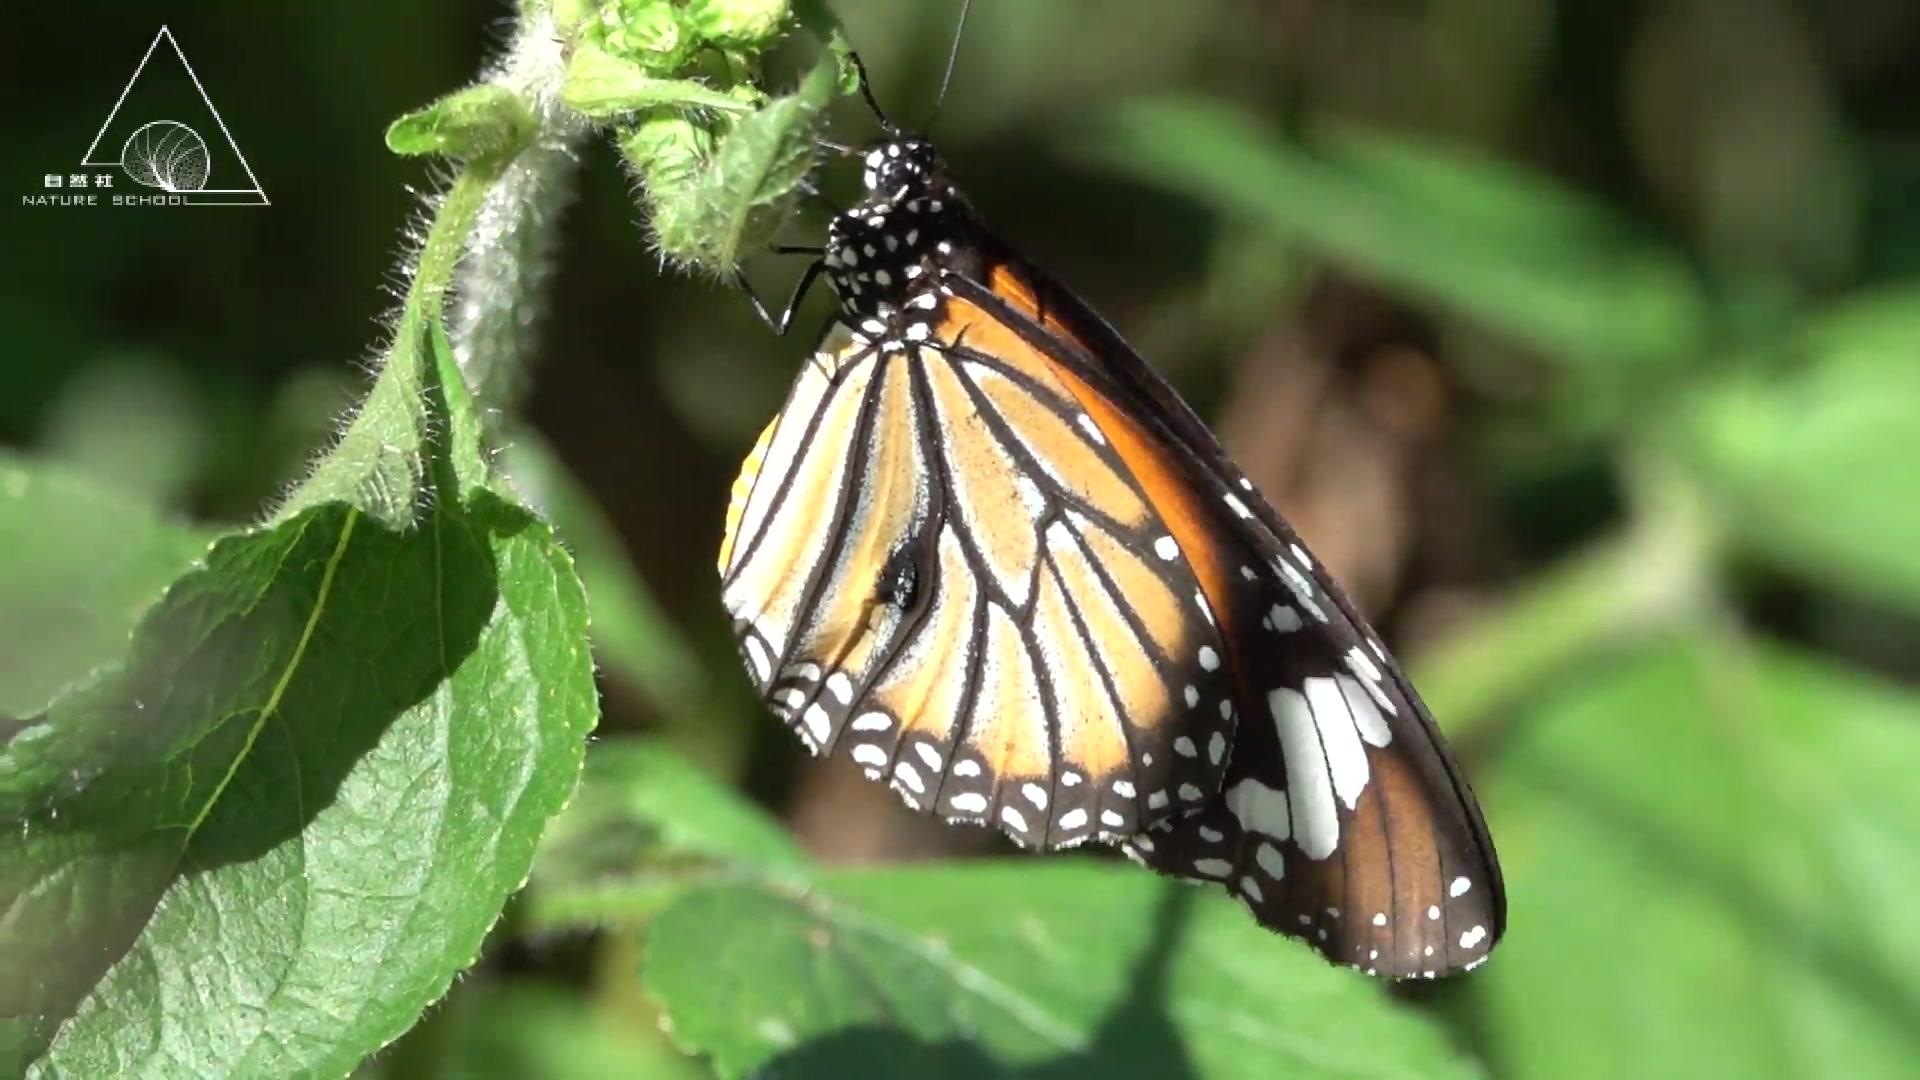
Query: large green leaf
[
  {"x": 1816, "y": 466},
  {"x": 1064, "y": 968},
  {"x": 264, "y": 841},
  {"x": 647, "y": 825},
  {"x": 1711, "y": 859},
  {"x": 82, "y": 562},
  {"x": 1511, "y": 250}
]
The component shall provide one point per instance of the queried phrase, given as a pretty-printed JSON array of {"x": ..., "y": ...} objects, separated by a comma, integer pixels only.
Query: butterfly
[{"x": 987, "y": 554}]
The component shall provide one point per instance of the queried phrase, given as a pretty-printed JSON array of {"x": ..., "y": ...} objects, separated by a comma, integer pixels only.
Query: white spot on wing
[
  {"x": 840, "y": 687},
  {"x": 1459, "y": 887},
  {"x": 907, "y": 775},
  {"x": 1316, "y": 824},
  {"x": 757, "y": 658},
  {"x": 1259, "y": 808},
  {"x": 1270, "y": 860},
  {"x": 1092, "y": 429},
  {"x": 1366, "y": 714},
  {"x": 1346, "y": 758},
  {"x": 818, "y": 726}
]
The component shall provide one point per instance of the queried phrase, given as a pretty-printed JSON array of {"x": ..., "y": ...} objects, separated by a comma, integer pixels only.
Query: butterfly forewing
[{"x": 941, "y": 569}]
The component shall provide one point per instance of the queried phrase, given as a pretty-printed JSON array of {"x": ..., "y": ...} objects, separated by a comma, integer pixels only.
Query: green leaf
[
  {"x": 709, "y": 217},
  {"x": 82, "y": 563},
  {"x": 1508, "y": 249},
  {"x": 478, "y": 122},
  {"x": 1711, "y": 860},
  {"x": 1814, "y": 467},
  {"x": 979, "y": 969},
  {"x": 646, "y": 826},
  {"x": 602, "y": 85},
  {"x": 268, "y": 838}
]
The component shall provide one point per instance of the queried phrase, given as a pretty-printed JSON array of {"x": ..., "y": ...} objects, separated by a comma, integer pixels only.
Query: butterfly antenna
[
  {"x": 866, "y": 91},
  {"x": 953, "y": 55}
]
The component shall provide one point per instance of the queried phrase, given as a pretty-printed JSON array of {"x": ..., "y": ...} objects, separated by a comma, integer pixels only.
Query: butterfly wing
[
  {"x": 1342, "y": 820},
  {"x": 940, "y": 567}
]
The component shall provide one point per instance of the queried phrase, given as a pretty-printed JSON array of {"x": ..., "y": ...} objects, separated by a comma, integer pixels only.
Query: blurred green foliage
[{"x": 1667, "y": 258}]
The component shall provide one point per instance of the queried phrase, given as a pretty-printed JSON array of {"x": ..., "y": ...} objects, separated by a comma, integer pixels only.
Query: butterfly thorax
[{"x": 884, "y": 256}]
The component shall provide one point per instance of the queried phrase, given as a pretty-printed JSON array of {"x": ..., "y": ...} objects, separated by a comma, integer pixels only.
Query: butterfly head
[
  {"x": 891, "y": 245},
  {"x": 899, "y": 166}
]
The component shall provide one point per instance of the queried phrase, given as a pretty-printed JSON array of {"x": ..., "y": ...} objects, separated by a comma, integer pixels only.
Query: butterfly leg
[{"x": 779, "y": 326}]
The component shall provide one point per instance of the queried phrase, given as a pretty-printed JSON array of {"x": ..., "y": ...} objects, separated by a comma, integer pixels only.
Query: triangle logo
[{"x": 166, "y": 135}]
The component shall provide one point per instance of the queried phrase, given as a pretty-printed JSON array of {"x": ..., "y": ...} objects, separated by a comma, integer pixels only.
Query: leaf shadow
[
  {"x": 1135, "y": 1038},
  {"x": 220, "y": 758}
]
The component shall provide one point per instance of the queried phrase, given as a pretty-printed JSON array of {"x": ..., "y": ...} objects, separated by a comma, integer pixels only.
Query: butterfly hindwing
[{"x": 1341, "y": 818}]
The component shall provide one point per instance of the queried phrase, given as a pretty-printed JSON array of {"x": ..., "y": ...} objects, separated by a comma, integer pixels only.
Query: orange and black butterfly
[{"x": 986, "y": 553}]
